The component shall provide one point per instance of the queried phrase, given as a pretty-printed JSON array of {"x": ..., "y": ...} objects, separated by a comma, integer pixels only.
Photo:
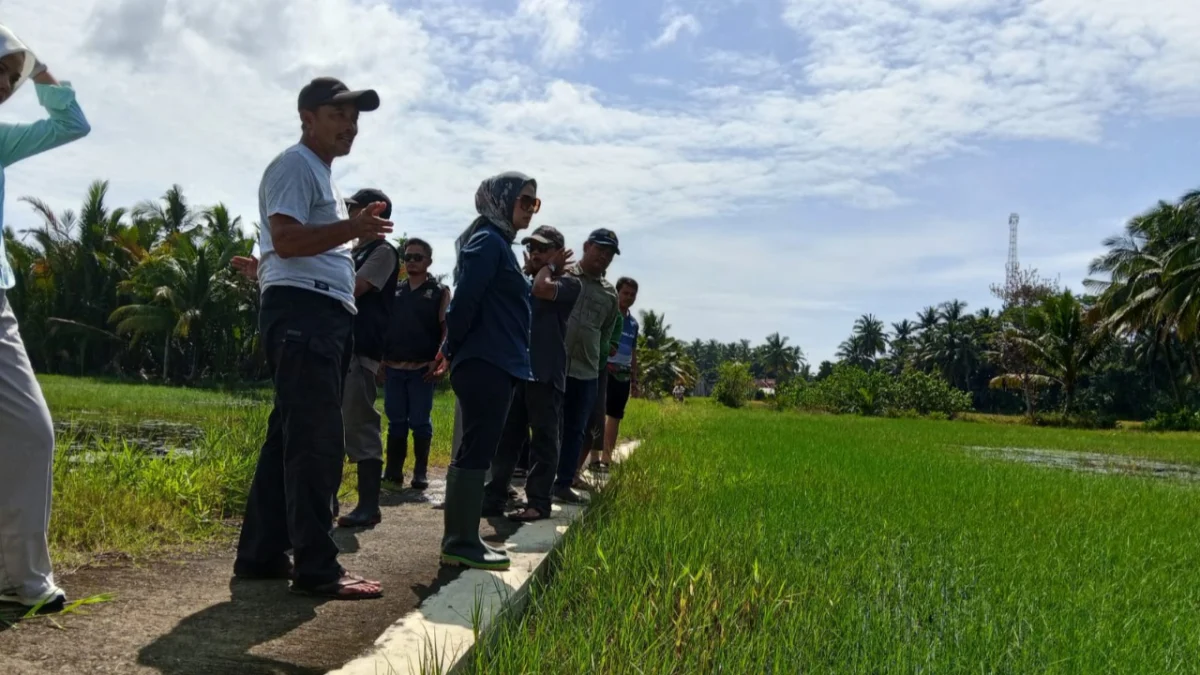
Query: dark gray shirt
[{"x": 548, "y": 333}]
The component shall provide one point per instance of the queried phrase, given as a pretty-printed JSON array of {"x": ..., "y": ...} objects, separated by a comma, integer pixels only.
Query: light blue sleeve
[
  {"x": 289, "y": 188},
  {"x": 65, "y": 124}
]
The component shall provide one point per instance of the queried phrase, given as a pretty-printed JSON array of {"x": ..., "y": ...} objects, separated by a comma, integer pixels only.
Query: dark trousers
[
  {"x": 523, "y": 460},
  {"x": 308, "y": 338},
  {"x": 596, "y": 421},
  {"x": 484, "y": 394},
  {"x": 578, "y": 401},
  {"x": 408, "y": 403},
  {"x": 537, "y": 405}
]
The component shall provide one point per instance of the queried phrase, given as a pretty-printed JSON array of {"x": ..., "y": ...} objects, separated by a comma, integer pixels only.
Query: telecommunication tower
[{"x": 1011, "y": 269}]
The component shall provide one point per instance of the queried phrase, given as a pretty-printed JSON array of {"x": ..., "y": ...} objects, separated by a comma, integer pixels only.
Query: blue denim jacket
[
  {"x": 489, "y": 313},
  {"x": 18, "y": 141}
]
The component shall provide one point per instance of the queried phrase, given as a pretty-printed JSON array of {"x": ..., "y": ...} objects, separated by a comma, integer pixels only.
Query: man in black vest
[
  {"x": 376, "y": 270},
  {"x": 413, "y": 360},
  {"x": 377, "y": 266}
]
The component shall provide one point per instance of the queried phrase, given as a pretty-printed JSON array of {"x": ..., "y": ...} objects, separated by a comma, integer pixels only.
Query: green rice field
[{"x": 762, "y": 542}]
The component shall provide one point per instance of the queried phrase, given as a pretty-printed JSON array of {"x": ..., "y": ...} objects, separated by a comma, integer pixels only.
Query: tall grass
[
  {"x": 118, "y": 499},
  {"x": 113, "y": 499},
  {"x": 752, "y": 542}
]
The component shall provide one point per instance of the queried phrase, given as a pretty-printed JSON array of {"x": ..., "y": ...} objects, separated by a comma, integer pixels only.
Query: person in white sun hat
[{"x": 26, "y": 432}]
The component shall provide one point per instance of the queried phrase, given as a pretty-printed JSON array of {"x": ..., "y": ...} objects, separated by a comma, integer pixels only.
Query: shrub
[
  {"x": 925, "y": 394},
  {"x": 1083, "y": 420},
  {"x": 735, "y": 384},
  {"x": 1184, "y": 419},
  {"x": 788, "y": 394},
  {"x": 850, "y": 390}
]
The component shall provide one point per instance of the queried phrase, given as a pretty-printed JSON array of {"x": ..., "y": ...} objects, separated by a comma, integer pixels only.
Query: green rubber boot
[{"x": 461, "y": 544}]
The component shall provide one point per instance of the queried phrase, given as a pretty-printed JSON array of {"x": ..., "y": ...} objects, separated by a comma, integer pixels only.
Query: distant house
[{"x": 766, "y": 387}]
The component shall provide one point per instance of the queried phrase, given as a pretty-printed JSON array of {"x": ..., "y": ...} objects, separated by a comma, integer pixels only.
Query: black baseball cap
[
  {"x": 367, "y": 196},
  {"x": 546, "y": 235},
  {"x": 603, "y": 237},
  {"x": 331, "y": 91}
]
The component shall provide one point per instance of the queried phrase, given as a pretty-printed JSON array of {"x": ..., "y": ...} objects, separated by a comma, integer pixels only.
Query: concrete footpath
[{"x": 432, "y": 637}]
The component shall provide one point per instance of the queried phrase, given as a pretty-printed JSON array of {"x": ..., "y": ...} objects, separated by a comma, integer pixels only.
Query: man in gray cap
[{"x": 306, "y": 322}]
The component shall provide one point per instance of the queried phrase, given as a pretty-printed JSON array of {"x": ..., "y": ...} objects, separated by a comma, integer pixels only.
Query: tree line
[
  {"x": 1127, "y": 347},
  {"x": 147, "y": 292}
]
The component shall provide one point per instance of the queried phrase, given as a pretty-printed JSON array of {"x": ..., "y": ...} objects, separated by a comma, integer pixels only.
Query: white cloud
[
  {"x": 745, "y": 65},
  {"x": 561, "y": 24},
  {"x": 675, "y": 23},
  {"x": 203, "y": 94}
]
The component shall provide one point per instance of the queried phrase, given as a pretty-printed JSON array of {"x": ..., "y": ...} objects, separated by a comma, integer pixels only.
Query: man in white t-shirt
[{"x": 306, "y": 325}]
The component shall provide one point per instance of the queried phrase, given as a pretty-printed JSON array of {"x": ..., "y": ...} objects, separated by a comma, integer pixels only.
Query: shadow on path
[{"x": 219, "y": 639}]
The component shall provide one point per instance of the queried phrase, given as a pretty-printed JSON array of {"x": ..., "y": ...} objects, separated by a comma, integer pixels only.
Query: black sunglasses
[
  {"x": 530, "y": 204},
  {"x": 533, "y": 247},
  {"x": 414, "y": 257}
]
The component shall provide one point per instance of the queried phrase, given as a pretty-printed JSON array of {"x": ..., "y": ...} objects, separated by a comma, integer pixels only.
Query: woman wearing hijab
[
  {"x": 27, "y": 448},
  {"x": 487, "y": 345}
]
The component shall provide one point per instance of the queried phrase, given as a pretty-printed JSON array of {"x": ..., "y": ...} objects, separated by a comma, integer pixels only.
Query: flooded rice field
[
  {"x": 1092, "y": 462},
  {"x": 84, "y": 436}
]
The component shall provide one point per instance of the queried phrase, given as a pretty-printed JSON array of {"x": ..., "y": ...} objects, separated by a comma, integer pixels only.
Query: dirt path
[{"x": 190, "y": 617}]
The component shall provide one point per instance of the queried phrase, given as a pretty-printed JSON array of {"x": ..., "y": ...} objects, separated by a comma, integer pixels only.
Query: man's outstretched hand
[
  {"x": 246, "y": 265},
  {"x": 367, "y": 224}
]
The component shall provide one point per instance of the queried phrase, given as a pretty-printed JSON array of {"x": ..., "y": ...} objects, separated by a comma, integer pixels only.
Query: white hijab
[{"x": 11, "y": 44}]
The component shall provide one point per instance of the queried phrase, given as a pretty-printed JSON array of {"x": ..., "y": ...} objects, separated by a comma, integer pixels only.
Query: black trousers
[
  {"x": 309, "y": 338},
  {"x": 596, "y": 422},
  {"x": 484, "y": 394},
  {"x": 539, "y": 406}
]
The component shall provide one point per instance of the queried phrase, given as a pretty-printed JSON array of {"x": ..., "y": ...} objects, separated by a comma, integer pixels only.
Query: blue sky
[{"x": 771, "y": 165}]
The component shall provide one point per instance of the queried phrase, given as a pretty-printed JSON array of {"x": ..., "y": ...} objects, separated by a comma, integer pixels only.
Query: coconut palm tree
[
  {"x": 662, "y": 360},
  {"x": 867, "y": 341},
  {"x": 780, "y": 360},
  {"x": 1151, "y": 271},
  {"x": 901, "y": 344},
  {"x": 182, "y": 287},
  {"x": 927, "y": 319},
  {"x": 171, "y": 214},
  {"x": 1063, "y": 343},
  {"x": 76, "y": 264}
]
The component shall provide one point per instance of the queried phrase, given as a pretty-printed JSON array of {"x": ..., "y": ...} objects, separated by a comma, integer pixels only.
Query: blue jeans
[
  {"x": 408, "y": 403},
  {"x": 577, "y": 410}
]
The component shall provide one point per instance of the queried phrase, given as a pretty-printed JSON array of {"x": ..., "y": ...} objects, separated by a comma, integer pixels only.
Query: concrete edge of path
[{"x": 437, "y": 636}]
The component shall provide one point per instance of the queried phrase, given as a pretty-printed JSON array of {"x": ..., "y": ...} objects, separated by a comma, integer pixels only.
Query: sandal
[
  {"x": 349, "y": 587},
  {"x": 528, "y": 514}
]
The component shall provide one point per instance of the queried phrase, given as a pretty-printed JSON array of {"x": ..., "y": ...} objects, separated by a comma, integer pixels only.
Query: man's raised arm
[{"x": 293, "y": 239}]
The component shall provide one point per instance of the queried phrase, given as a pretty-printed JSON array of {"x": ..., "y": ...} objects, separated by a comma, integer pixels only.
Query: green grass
[
  {"x": 757, "y": 542},
  {"x": 124, "y": 503}
]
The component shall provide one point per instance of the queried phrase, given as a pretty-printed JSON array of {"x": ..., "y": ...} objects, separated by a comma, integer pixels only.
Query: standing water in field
[
  {"x": 1092, "y": 462},
  {"x": 154, "y": 437}
]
